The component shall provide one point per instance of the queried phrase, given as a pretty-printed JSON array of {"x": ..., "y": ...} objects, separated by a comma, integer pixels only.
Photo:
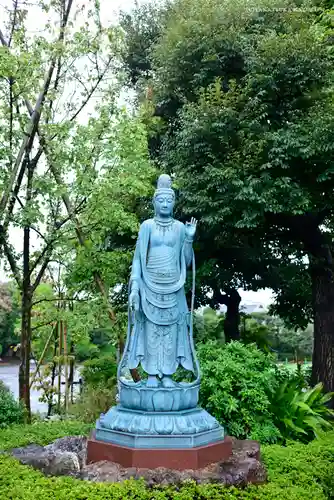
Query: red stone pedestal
[{"x": 178, "y": 459}]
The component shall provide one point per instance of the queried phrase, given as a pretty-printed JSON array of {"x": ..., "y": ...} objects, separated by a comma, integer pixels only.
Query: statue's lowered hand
[{"x": 134, "y": 301}]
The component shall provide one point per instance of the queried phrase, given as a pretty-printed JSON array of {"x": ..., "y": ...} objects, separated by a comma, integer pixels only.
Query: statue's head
[{"x": 164, "y": 196}]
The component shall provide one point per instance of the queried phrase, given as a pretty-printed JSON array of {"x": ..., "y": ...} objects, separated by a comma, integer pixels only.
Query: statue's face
[{"x": 164, "y": 204}]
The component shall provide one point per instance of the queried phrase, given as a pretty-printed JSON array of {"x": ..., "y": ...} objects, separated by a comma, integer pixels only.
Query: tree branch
[
  {"x": 28, "y": 139},
  {"x": 10, "y": 257},
  {"x": 47, "y": 256},
  {"x": 65, "y": 299},
  {"x": 13, "y": 24},
  {"x": 41, "y": 325}
]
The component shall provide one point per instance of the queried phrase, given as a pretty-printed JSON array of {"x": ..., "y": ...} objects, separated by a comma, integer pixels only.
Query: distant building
[{"x": 248, "y": 307}]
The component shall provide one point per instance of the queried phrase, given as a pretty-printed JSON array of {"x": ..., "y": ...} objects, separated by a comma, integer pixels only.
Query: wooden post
[
  {"x": 66, "y": 368},
  {"x": 60, "y": 349},
  {"x": 40, "y": 361}
]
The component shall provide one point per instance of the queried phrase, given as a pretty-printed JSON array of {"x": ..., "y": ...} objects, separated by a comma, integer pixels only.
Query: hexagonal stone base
[{"x": 177, "y": 459}]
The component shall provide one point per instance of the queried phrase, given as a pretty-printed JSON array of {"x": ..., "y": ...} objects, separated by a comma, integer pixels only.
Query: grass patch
[{"x": 296, "y": 472}]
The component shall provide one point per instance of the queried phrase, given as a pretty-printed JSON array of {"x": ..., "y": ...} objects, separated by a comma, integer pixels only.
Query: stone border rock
[{"x": 67, "y": 456}]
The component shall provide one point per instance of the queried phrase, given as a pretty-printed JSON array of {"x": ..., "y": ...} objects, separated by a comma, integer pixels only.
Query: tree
[
  {"x": 226, "y": 259},
  {"x": 245, "y": 95},
  {"x": 47, "y": 82},
  {"x": 208, "y": 325}
]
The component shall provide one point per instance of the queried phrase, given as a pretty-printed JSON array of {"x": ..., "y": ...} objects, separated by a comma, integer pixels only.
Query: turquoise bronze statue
[
  {"x": 161, "y": 339},
  {"x": 158, "y": 412}
]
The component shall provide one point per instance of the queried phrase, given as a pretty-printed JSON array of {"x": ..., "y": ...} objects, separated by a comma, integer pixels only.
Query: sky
[{"x": 109, "y": 10}]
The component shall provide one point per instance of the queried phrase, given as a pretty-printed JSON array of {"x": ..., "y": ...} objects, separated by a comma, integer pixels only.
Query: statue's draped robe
[{"x": 160, "y": 339}]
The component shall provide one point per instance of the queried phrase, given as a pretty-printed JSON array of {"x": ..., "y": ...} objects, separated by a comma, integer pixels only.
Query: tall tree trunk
[
  {"x": 323, "y": 350},
  {"x": 53, "y": 374},
  {"x": 232, "y": 301},
  {"x": 24, "y": 370}
]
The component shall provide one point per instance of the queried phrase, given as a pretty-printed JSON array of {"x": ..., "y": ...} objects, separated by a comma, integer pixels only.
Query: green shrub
[
  {"x": 100, "y": 383},
  {"x": 300, "y": 414},
  {"x": 11, "y": 411},
  {"x": 92, "y": 402},
  {"x": 100, "y": 371},
  {"x": 236, "y": 388},
  {"x": 305, "y": 465},
  {"x": 41, "y": 433},
  {"x": 296, "y": 472}
]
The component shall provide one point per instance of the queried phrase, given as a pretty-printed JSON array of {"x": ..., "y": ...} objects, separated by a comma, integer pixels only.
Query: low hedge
[{"x": 296, "y": 472}]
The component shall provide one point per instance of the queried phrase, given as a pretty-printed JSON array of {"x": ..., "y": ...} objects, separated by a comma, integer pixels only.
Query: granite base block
[{"x": 177, "y": 459}]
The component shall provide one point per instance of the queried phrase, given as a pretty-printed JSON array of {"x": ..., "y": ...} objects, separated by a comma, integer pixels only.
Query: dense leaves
[
  {"x": 254, "y": 398},
  {"x": 244, "y": 92},
  {"x": 295, "y": 472},
  {"x": 301, "y": 415},
  {"x": 237, "y": 382},
  {"x": 11, "y": 411}
]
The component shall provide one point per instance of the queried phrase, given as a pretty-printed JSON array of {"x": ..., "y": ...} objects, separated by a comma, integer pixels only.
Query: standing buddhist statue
[
  {"x": 161, "y": 335},
  {"x": 157, "y": 412}
]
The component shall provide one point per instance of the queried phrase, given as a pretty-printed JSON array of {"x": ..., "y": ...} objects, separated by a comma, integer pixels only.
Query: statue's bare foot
[
  {"x": 167, "y": 381},
  {"x": 152, "y": 382}
]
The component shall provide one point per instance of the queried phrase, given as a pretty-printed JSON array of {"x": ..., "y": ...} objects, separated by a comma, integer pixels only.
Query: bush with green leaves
[
  {"x": 296, "y": 472},
  {"x": 11, "y": 411},
  {"x": 99, "y": 393},
  {"x": 301, "y": 414},
  {"x": 92, "y": 402},
  {"x": 100, "y": 371},
  {"x": 236, "y": 388},
  {"x": 254, "y": 398}
]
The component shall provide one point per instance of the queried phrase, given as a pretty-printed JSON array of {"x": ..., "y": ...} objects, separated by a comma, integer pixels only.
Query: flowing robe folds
[{"x": 160, "y": 337}]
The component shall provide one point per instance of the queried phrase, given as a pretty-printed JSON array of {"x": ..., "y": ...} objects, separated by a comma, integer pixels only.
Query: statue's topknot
[
  {"x": 164, "y": 186},
  {"x": 164, "y": 182}
]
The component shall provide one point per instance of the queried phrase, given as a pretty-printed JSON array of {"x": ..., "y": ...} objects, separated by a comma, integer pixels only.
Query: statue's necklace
[{"x": 162, "y": 226}]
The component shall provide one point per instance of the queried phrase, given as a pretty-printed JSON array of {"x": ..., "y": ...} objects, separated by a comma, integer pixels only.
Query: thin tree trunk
[
  {"x": 53, "y": 374},
  {"x": 24, "y": 370},
  {"x": 323, "y": 350},
  {"x": 66, "y": 369},
  {"x": 71, "y": 372}
]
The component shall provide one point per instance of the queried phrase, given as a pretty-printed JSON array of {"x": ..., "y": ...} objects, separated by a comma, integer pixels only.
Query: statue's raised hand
[{"x": 191, "y": 228}]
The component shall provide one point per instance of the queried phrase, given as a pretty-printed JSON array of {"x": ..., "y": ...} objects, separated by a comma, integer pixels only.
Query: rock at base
[{"x": 67, "y": 456}]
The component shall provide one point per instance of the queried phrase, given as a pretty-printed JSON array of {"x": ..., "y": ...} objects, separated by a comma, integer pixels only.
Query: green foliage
[
  {"x": 99, "y": 393},
  {"x": 100, "y": 371},
  {"x": 255, "y": 332},
  {"x": 253, "y": 398},
  {"x": 296, "y": 472},
  {"x": 11, "y": 411},
  {"x": 93, "y": 401},
  {"x": 243, "y": 91},
  {"x": 85, "y": 349},
  {"x": 272, "y": 333},
  {"x": 208, "y": 325},
  {"x": 301, "y": 414},
  {"x": 9, "y": 314},
  {"x": 237, "y": 383},
  {"x": 41, "y": 433},
  {"x": 303, "y": 465}
]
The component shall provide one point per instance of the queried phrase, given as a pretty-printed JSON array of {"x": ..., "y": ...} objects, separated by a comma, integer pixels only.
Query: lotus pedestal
[{"x": 162, "y": 427}]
